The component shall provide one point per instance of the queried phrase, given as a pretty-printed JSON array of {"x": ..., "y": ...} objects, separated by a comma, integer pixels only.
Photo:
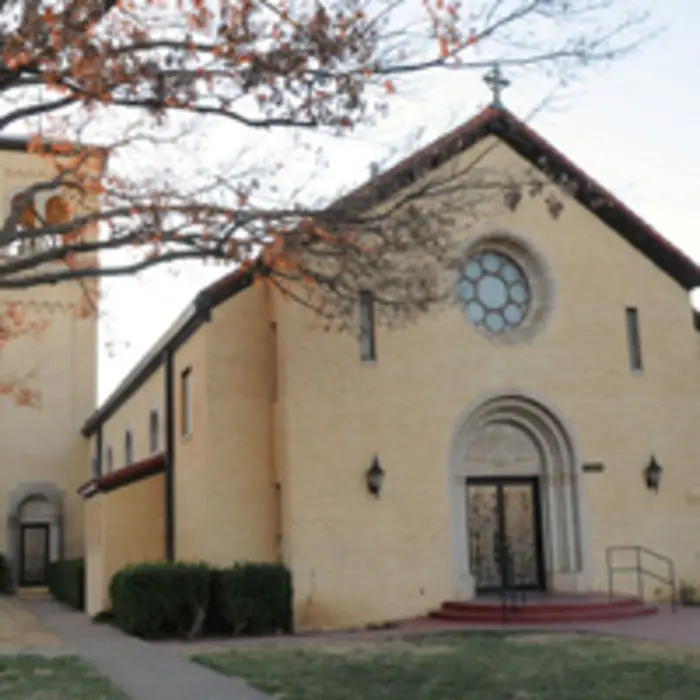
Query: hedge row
[
  {"x": 66, "y": 580},
  {"x": 157, "y": 600}
]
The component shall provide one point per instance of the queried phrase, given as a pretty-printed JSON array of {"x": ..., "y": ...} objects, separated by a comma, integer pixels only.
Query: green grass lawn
[
  {"x": 61, "y": 678},
  {"x": 476, "y": 667}
]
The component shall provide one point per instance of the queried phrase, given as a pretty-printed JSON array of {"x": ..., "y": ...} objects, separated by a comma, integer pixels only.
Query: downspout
[{"x": 169, "y": 456}]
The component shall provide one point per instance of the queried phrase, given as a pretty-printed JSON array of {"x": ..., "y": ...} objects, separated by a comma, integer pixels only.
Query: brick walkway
[
  {"x": 679, "y": 629},
  {"x": 21, "y": 631},
  {"x": 141, "y": 670}
]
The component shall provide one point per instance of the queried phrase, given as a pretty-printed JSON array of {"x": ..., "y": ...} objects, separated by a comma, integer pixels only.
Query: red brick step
[{"x": 540, "y": 611}]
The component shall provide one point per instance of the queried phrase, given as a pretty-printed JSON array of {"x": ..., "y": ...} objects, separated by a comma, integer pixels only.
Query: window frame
[
  {"x": 128, "y": 447},
  {"x": 186, "y": 417},
  {"x": 109, "y": 459},
  {"x": 368, "y": 333},
  {"x": 634, "y": 340},
  {"x": 154, "y": 431},
  {"x": 95, "y": 467}
]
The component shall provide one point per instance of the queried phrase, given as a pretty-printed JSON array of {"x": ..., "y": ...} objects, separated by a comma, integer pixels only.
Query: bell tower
[{"x": 48, "y": 366}]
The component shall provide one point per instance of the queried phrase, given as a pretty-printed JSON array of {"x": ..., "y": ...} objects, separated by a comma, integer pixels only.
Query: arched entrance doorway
[
  {"x": 34, "y": 532},
  {"x": 515, "y": 499}
]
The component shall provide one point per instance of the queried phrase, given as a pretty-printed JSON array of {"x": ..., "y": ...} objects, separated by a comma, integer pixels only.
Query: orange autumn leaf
[
  {"x": 57, "y": 210},
  {"x": 27, "y": 218}
]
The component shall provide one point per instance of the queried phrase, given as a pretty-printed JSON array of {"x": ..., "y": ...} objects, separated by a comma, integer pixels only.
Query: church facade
[{"x": 548, "y": 414}]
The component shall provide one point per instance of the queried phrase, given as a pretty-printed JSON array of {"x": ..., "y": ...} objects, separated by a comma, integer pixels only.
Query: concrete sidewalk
[
  {"x": 141, "y": 670},
  {"x": 22, "y": 633}
]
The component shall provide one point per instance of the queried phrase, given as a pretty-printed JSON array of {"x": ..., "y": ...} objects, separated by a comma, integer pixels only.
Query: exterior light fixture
[
  {"x": 374, "y": 477},
  {"x": 652, "y": 474}
]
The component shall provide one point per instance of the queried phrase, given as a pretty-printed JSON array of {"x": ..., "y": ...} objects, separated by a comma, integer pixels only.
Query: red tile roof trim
[{"x": 122, "y": 477}]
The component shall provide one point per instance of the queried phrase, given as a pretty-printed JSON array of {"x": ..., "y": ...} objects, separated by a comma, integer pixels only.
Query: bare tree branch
[{"x": 263, "y": 83}]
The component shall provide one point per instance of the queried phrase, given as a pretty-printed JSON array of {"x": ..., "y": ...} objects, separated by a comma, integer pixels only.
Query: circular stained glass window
[{"x": 494, "y": 291}]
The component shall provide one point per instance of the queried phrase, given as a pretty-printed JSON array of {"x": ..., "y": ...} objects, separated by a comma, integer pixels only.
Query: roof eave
[
  {"x": 141, "y": 371},
  {"x": 503, "y": 124},
  {"x": 196, "y": 313}
]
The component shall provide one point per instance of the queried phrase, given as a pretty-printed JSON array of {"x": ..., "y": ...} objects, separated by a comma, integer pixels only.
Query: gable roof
[
  {"x": 537, "y": 151},
  {"x": 489, "y": 122},
  {"x": 196, "y": 313}
]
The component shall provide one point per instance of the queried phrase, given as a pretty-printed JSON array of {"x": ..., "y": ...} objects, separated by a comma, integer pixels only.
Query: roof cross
[{"x": 497, "y": 82}]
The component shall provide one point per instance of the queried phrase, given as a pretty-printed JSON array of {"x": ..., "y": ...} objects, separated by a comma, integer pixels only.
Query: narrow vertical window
[
  {"x": 633, "y": 339},
  {"x": 186, "y": 401},
  {"x": 128, "y": 447},
  {"x": 153, "y": 432},
  {"x": 108, "y": 460},
  {"x": 96, "y": 466},
  {"x": 368, "y": 350}
]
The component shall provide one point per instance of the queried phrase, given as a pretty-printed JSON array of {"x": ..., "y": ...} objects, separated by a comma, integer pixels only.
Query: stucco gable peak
[{"x": 524, "y": 140}]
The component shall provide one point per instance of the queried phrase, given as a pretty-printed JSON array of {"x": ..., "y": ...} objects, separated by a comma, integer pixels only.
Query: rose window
[{"x": 494, "y": 291}]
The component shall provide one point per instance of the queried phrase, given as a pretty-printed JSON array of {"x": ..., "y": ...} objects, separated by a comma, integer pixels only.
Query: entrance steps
[
  {"x": 34, "y": 593},
  {"x": 543, "y": 610}
]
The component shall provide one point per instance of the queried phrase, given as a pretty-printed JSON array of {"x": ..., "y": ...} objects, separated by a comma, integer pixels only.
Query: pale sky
[{"x": 631, "y": 126}]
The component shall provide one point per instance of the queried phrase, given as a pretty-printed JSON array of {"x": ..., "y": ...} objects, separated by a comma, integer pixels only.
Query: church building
[{"x": 514, "y": 438}]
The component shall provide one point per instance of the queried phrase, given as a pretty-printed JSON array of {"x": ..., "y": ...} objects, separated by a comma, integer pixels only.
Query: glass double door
[{"x": 504, "y": 527}]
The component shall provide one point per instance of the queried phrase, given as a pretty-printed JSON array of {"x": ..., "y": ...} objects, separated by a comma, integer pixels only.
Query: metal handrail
[
  {"x": 511, "y": 596},
  {"x": 641, "y": 571}
]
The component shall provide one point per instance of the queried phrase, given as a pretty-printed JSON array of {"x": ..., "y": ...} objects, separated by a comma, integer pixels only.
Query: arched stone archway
[
  {"x": 37, "y": 506},
  {"x": 512, "y": 437}
]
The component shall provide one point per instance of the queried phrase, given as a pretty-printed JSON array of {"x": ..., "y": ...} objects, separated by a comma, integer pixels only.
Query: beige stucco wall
[
  {"x": 191, "y": 452},
  {"x": 140, "y": 507},
  {"x": 125, "y": 526},
  {"x": 134, "y": 414},
  {"x": 241, "y": 487},
  {"x": 44, "y": 445},
  {"x": 224, "y": 490},
  {"x": 96, "y": 584},
  {"x": 356, "y": 559}
]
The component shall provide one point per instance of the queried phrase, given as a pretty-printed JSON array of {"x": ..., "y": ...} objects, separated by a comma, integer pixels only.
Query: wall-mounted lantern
[
  {"x": 652, "y": 474},
  {"x": 374, "y": 477}
]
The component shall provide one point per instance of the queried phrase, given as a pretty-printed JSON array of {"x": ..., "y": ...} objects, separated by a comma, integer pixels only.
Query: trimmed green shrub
[
  {"x": 66, "y": 581},
  {"x": 215, "y": 624},
  {"x": 5, "y": 576},
  {"x": 155, "y": 600},
  {"x": 256, "y": 598},
  {"x": 159, "y": 600}
]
